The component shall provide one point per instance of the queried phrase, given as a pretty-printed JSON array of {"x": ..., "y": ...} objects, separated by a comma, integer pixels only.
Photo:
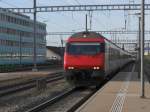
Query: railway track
[
  {"x": 67, "y": 101},
  {"x": 70, "y": 100},
  {"x": 51, "y": 101},
  {"x": 9, "y": 89}
]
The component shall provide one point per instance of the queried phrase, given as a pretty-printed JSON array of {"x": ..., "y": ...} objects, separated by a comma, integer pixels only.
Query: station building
[
  {"x": 16, "y": 39},
  {"x": 54, "y": 53}
]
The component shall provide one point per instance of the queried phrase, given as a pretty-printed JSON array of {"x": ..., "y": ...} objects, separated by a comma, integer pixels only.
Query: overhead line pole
[
  {"x": 34, "y": 39},
  {"x": 86, "y": 27},
  {"x": 142, "y": 47},
  {"x": 139, "y": 49}
]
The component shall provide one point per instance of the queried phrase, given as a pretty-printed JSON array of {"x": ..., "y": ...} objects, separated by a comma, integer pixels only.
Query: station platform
[{"x": 121, "y": 94}]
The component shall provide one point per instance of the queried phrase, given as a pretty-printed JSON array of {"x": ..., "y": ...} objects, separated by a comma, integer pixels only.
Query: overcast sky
[{"x": 75, "y": 21}]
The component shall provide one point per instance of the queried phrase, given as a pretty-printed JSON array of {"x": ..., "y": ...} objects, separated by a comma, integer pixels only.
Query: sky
[{"x": 75, "y": 21}]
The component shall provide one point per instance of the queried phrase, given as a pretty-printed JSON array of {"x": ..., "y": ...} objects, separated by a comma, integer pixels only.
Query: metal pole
[
  {"x": 148, "y": 48},
  {"x": 62, "y": 52},
  {"x": 86, "y": 24},
  {"x": 90, "y": 16},
  {"x": 139, "y": 40},
  {"x": 20, "y": 46},
  {"x": 142, "y": 47},
  {"x": 34, "y": 38},
  {"x": 115, "y": 38}
]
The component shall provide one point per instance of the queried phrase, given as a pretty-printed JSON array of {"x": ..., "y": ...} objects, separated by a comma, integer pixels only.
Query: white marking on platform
[{"x": 121, "y": 95}]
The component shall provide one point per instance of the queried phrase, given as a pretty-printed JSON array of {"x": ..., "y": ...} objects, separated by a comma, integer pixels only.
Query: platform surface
[{"x": 121, "y": 94}]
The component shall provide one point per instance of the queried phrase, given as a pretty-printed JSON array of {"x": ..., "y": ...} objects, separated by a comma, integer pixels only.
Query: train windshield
[{"x": 83, "y": 48}]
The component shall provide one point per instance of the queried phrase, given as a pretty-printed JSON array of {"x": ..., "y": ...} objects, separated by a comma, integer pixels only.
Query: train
[{"x": 89, "y": 58}]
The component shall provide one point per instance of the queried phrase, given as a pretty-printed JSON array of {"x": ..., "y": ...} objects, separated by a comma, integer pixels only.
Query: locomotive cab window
[{"x": 85, "y": 48}]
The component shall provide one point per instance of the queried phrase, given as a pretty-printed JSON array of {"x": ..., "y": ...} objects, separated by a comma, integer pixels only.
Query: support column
[
  {"x": 34, "y": 39},
  {"x": 139, "y": 48},
  {"x": 142, "y": 47}
]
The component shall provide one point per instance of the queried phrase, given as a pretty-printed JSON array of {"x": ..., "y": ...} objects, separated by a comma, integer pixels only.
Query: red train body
[
  {"x": 89, "y": 58},
  {"x": 83, "y": 61}
]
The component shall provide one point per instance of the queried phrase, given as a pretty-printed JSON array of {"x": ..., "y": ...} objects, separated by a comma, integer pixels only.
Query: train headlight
[
  {"x": 96, "y": 68},
  {"x": 70, "y": 68}
]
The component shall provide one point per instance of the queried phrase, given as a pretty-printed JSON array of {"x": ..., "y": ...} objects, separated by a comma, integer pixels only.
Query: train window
[
  {"x": 102, "y": 47},
  {"x": 84, "y": 48}
]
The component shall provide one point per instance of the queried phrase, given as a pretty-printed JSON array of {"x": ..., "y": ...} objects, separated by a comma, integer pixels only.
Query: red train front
[{"x": 84, "y": 59}]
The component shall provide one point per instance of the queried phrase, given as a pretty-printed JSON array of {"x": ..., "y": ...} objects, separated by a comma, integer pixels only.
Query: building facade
[{"x": 16, "y": 39}]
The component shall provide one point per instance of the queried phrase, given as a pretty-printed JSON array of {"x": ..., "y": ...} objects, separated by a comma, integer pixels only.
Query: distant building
[
  {"x": 147, "y": 51},
  {"x": 16, "y": 39},
  {"x": 54, "y": 53}
]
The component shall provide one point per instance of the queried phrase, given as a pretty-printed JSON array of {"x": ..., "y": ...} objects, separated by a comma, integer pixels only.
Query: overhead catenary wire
[
  {"x": 15, "y": 6},
  {"x": 73, "y": 18}
]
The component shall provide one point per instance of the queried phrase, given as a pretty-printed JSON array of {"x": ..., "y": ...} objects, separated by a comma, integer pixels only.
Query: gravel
[
  {"x": 26, "y": 99},
  {"x": 68, "y": 102}
]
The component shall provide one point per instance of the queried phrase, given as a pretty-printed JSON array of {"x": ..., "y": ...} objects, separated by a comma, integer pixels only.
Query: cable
[
  {"x": 37, "y": 16},
  {"x": 53, "y": 22}
]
